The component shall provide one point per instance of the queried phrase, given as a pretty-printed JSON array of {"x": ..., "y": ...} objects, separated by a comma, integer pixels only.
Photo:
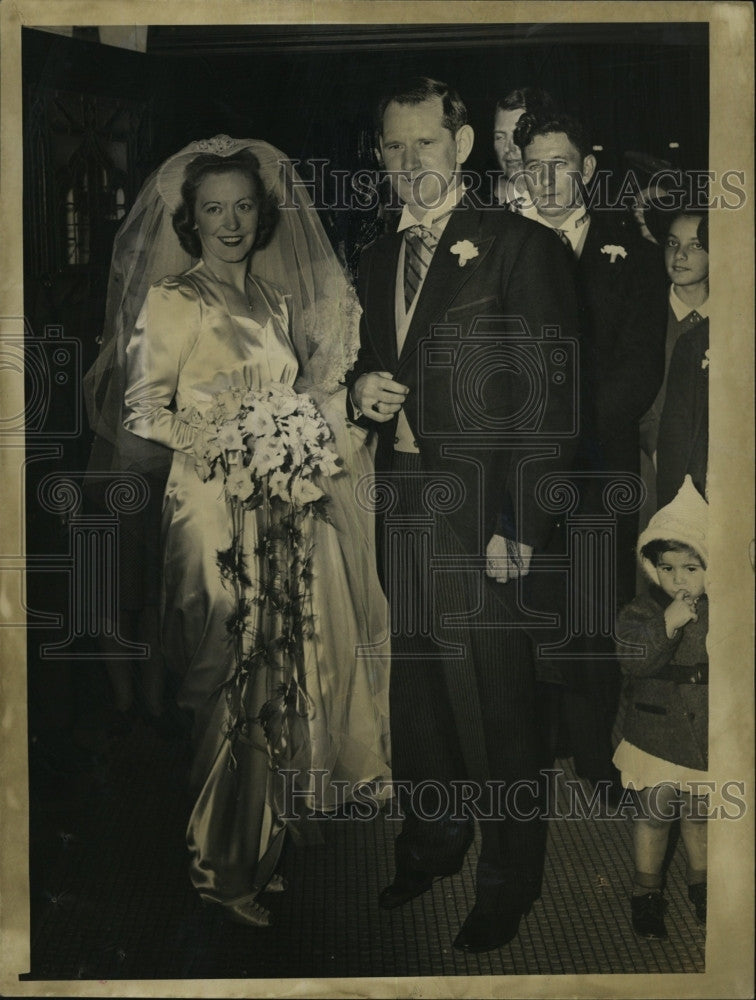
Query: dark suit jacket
[
  {"x": 623, "y": 308},
  {"x": 683, "y": 446},
  {"x": 484, "y": 391},
  {"x": 623, "y": 313}
]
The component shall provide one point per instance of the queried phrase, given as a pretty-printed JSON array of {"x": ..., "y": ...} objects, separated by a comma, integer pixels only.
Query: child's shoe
[
  {"x": 697, "y": 896},
  {"x": 648, "y": 916}
]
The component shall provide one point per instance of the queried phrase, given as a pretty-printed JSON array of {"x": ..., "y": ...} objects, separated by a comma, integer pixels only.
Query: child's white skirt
[{"x": 642, "y": 770}]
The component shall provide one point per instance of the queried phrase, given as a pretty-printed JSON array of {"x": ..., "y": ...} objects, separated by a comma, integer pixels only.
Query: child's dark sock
[{"x": 645, "y": 882}]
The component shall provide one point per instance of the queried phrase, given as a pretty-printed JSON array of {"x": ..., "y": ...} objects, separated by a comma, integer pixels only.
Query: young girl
[
  {"x": 664, "y": 753},
  {"x": 686, "y": 258}
]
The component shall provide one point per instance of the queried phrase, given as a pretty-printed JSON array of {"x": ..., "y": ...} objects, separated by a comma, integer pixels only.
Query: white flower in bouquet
[
  {"x": 308, "y": 408},
  {"x": 259, "y": 422},
  {"x": 315, "y": 432},
  {"x": 229, "y": 436},
  {"x": 239, "y": 483},
  {"x": 294, "y": 425},
  {"x": 304, "y": 491},
  {"x": 325, "y": 461},
  {"x": 279, "y": 485},
  {"x": 282, "y": 399},
  {"x": 268, "y": 456},
  {"x": 229, "y": 400}
]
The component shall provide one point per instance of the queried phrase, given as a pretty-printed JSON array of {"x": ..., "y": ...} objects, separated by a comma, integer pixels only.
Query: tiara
[
  {"x": 219, "y": 144},
  {"x": 171, "y": 174}
]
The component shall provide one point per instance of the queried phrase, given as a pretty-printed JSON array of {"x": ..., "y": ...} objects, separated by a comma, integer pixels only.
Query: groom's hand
[
  {"x": 507, "y": 559},
  {"x": 377, "y": 396}
]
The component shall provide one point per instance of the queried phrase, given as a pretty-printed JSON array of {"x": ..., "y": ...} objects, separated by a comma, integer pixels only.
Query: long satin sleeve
[{"x": 166, "y": 331}]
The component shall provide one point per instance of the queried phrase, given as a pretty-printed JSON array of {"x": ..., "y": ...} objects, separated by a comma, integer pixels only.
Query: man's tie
[
  {"x": 420, "y": 243},
  {"x": 562, "y": 234}
]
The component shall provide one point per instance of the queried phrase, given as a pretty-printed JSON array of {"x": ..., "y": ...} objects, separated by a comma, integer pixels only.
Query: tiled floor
[{"x": 111, "y": 898}]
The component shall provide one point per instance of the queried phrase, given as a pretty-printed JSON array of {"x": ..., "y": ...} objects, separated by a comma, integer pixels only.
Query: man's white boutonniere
[
  {"x": 465, "y": 250},
  {"x": 614, "y": 252},
  {"x": 705, "y": 360}
]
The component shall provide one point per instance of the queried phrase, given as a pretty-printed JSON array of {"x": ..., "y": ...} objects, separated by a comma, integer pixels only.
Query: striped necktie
[
  {"x": 419, "y": 246},
  {"x": 562, "y": 233}
]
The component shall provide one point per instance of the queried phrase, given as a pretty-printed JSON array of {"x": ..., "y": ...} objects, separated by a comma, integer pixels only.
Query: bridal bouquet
[
  {"x": 268, "y": 446},
  {"x": 272, "y": 438}
]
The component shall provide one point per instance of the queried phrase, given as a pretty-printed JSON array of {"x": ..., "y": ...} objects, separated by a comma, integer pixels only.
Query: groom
[{"x": 455, "y": 302}]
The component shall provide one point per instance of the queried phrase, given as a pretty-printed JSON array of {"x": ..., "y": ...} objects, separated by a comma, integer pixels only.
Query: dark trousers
[{"x": 465, "y": 743}]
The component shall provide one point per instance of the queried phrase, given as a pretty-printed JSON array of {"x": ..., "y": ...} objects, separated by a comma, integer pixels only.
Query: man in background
[{"x": 623, "y": 312}]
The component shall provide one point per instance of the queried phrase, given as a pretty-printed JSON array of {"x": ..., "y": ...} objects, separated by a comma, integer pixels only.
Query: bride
[{"x": 265, "y": 304}]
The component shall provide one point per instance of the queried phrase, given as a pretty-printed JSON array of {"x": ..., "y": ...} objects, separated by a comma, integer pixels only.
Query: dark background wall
[
  {"x": 637, "y": 86},
  {"x": 311, "y": 93},
  {"x": 310, "y": 90}
]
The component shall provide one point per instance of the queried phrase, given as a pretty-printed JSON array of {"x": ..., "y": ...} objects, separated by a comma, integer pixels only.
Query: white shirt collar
[
  {"x": 682, "y": 309},
  {"x": 574, "y": 222},
  {"x": 452, "y": 199},
  {"x": 572, "y": 226}
]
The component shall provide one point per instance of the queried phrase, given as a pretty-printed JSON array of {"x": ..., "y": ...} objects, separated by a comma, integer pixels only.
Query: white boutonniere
[
  {"x": 614, "y": 252},
  {"x": 465, "y": 250},
  {"x": 705, "y": 360}
]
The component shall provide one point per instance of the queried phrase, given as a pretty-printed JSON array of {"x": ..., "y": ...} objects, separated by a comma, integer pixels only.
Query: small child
[{"x": 664, "y": 750}]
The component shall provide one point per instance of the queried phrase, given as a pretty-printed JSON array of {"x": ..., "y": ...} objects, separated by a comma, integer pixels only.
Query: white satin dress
[{"x": 187, "y": 347}]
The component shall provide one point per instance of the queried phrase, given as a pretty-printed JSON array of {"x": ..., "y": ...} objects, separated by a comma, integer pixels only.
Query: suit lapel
[
  {"x": 380, "y": 302},
  {"x": 445, "y": 276},
  {"x": 590, "y": 247}
]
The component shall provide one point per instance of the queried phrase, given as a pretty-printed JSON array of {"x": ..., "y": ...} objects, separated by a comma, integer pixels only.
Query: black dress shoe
[
  {"x": 697, "y": 896},
  {"x": 648, "y": 916},
  {"x": 404, "y": 888},
  {"x": 484, "y": 930}
]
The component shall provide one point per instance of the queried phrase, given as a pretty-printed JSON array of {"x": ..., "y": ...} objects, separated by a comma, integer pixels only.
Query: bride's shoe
[
  {"x": 277, "y": 883},
  {"x": 243, "y": 911}
]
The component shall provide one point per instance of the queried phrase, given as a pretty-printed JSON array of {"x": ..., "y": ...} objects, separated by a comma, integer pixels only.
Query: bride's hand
[{"x": 378, "y": 396}]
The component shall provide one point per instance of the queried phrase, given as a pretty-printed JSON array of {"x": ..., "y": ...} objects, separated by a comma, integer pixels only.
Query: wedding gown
[{"x": 188, "y": 346}]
